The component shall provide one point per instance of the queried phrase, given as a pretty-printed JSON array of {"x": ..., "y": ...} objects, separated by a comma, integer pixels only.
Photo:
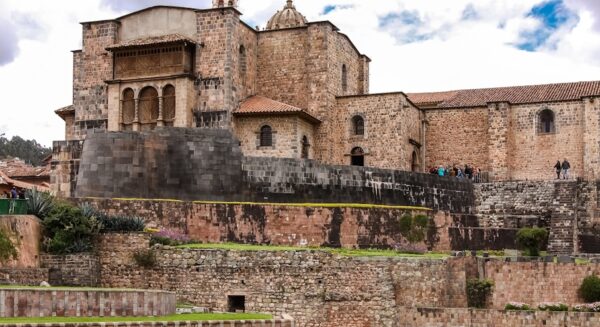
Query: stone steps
[{"x": 561, "y": 239}]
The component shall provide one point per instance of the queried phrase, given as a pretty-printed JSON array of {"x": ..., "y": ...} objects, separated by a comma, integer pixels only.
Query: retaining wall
[
  {"x": 244, "y": 323},
  {"x": 24, "y": 302},
  {"x": 82, "y": 269}
]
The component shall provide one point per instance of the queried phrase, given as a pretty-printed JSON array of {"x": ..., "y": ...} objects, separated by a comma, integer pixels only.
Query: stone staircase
[{"x": 564, "y": 219}]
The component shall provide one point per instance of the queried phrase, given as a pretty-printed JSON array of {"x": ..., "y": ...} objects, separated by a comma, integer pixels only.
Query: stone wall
[
  {"x": 386, "y": 117},
  {"x": 24, "y": 276},
  {"x": 501, "y": 138},
  {"x": 81, "y": 269},
  {"x": 214, "y": 323},
  {"x": 288, "y": 132},
  {"x": 37, "y": 302},
  {"x": 536, "y": 282},
  {"x": 65, "y": 167},
  {"x": 193, "y": 164},
  {"x": 281, "y": 224},
  {"x": 316, "y": 288},
  {"x": 461, "y": 317},
  {"x": 25, "y": 232}
]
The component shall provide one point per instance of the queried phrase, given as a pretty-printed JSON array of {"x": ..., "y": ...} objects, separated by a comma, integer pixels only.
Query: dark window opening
[
  {"x": 305, "y": 147},
  {"x": 546, "y": 120},
  {"x": 243, "y": 65},
  {"x": 266, "y": 136},
  {"x": 358, "y": 125},
  {"x": 415, "y": 167},
  {"x": 344, "y": 78},
  {"x": 236, "y": 303},
  {"x": 128, "y": 109},
  {"x": 357, "y": 157}
]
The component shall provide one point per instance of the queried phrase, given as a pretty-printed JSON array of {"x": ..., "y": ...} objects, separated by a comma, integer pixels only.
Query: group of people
[
  {"x": 13, "y": 194},
  {"x": 562, "y": 169},
  {"x": 454, "y": 171}
]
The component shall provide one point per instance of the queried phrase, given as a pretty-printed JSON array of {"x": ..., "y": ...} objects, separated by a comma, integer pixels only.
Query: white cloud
[{"x": 458, "y": 52}]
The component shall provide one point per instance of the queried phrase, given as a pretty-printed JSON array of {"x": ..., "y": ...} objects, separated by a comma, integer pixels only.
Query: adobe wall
[
  {"x": 462, "y": 317},
  {"x": 316, "y": 288},
  {"x": 386, "y": 117}
]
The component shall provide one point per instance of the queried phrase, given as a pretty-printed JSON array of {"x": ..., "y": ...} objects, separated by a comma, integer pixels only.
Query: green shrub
[
  {"x": 553, "y": 307},
  {"x": 517, "y": 306},
  {"x": 112, "y": 224},
  {"x": 7, "y": 248},
  {"x": 39, "y": 203},
  {"x": 67, "y": 230},
  {"x": 478, "y": 292},
  {"x": 414, "y": 228},
  {"x": 531, "y": 240},
  {"x": 145, "y": 258},
  {"x": 590, "y": 289}
]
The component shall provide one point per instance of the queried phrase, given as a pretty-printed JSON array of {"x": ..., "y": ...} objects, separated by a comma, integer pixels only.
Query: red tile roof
[
  {"x": 17, "y": 168},
  {"x": 513, "y": 94},
  {"x": 153, "y": 40},
  {"x": 258, "y": 105}
]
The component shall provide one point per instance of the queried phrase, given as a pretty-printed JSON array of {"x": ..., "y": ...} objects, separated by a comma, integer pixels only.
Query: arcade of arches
[{"x": 150, "y": 109}]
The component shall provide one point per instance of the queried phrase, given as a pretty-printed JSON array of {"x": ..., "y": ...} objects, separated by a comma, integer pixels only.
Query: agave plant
[
  {"x": 39, "y": 203},
  {"x": 121, "y": 224}
]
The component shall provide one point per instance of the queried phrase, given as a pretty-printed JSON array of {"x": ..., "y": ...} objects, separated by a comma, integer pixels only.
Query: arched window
[
  {"x": 357, "y": 156},
  {"x": 169, "y": 105},
  {"x": 358, "y": 125},
  {"x": 243, "y": 65},
  {"x": 148, "y": 108},
  {"x": 305, "y": 147},
  {"x": 344, "y": 78},
  {"x": 266, "y": 136},
  {"x": 128, "y": 109},
  {"x": 546, "y": 121}
]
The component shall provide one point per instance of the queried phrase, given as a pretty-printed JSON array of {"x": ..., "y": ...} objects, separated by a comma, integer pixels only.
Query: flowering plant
[
  {"x": 589, "y": 307},
  {"x": 517, "y": 306},
  {"x": 553, "y": 306}
]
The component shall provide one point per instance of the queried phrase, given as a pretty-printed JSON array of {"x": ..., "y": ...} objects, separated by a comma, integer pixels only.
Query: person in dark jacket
[
  {"x": 558, "y": 168},
  {"x": 13, "y": 193},
  {"x": 565, "y": 168}
]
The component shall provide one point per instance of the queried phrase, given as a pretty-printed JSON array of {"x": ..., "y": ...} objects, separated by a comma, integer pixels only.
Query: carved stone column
[{"x": 136, "y": 117}]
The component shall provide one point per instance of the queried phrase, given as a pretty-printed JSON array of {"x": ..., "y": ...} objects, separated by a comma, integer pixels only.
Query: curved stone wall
[{"x": 63, "y": 302}]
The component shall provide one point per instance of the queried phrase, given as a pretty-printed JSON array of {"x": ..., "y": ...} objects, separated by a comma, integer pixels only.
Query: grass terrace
[
  {"x": 171, "y": 318},
  {"x": 341, "y": 251}
]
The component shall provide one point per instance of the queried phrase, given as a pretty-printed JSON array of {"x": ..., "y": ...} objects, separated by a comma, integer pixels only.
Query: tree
[{"x": 29, "y": 151}]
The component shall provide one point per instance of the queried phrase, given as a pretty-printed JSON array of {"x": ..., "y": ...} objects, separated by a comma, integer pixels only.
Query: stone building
[{"x": 300, "y": 89}]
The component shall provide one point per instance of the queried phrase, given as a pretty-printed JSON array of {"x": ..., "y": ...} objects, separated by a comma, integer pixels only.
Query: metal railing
[{"x": 13, "y": 207}]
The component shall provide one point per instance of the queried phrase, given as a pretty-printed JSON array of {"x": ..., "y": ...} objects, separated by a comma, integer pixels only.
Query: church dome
[{"x": 286, "y": 18}]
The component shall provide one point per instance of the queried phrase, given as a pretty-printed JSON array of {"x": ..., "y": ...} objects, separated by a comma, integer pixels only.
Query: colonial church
[{"x": 300, "y": 89}]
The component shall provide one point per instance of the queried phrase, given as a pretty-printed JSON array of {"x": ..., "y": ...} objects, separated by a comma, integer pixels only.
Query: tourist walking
[
  {"x": 565, "y": 168},
  {"x": 558, "y": 168}
]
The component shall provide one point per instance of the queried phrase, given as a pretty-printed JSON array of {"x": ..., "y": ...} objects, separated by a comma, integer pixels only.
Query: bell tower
[{"x": 225, "y": 3}]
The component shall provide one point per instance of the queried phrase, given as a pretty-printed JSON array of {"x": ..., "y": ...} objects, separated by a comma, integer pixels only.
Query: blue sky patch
[
  {"x": 330, "y": 8},
  {"x": 469, "y": 13},
  {"x": 552, "y": 15},
  {"x": 404, "y": 26}
]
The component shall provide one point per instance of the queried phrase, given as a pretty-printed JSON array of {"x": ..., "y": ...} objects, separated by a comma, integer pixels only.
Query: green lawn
[
  {"x": 343, "y": 252},
  {"x": 183, "y": 317}
]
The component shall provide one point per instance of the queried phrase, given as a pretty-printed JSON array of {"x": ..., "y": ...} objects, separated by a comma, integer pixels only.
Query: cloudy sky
[{"x": 415, "y": 45}]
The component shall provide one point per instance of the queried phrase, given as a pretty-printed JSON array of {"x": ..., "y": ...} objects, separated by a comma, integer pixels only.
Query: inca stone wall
[
  {"x": 281, "y": 224},
  {"x": 316, "y": 288},
  {"x": 461, "y": 317},
  {"x": 214, "y": 323},
  {"x": 65, "y": 167},
  {"x": 536, "y": 282},
  {"x": 79, "y": 270}
]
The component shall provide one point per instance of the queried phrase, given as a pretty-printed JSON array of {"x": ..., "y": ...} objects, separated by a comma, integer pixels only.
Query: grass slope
[{"x": 342, "y": 252}]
